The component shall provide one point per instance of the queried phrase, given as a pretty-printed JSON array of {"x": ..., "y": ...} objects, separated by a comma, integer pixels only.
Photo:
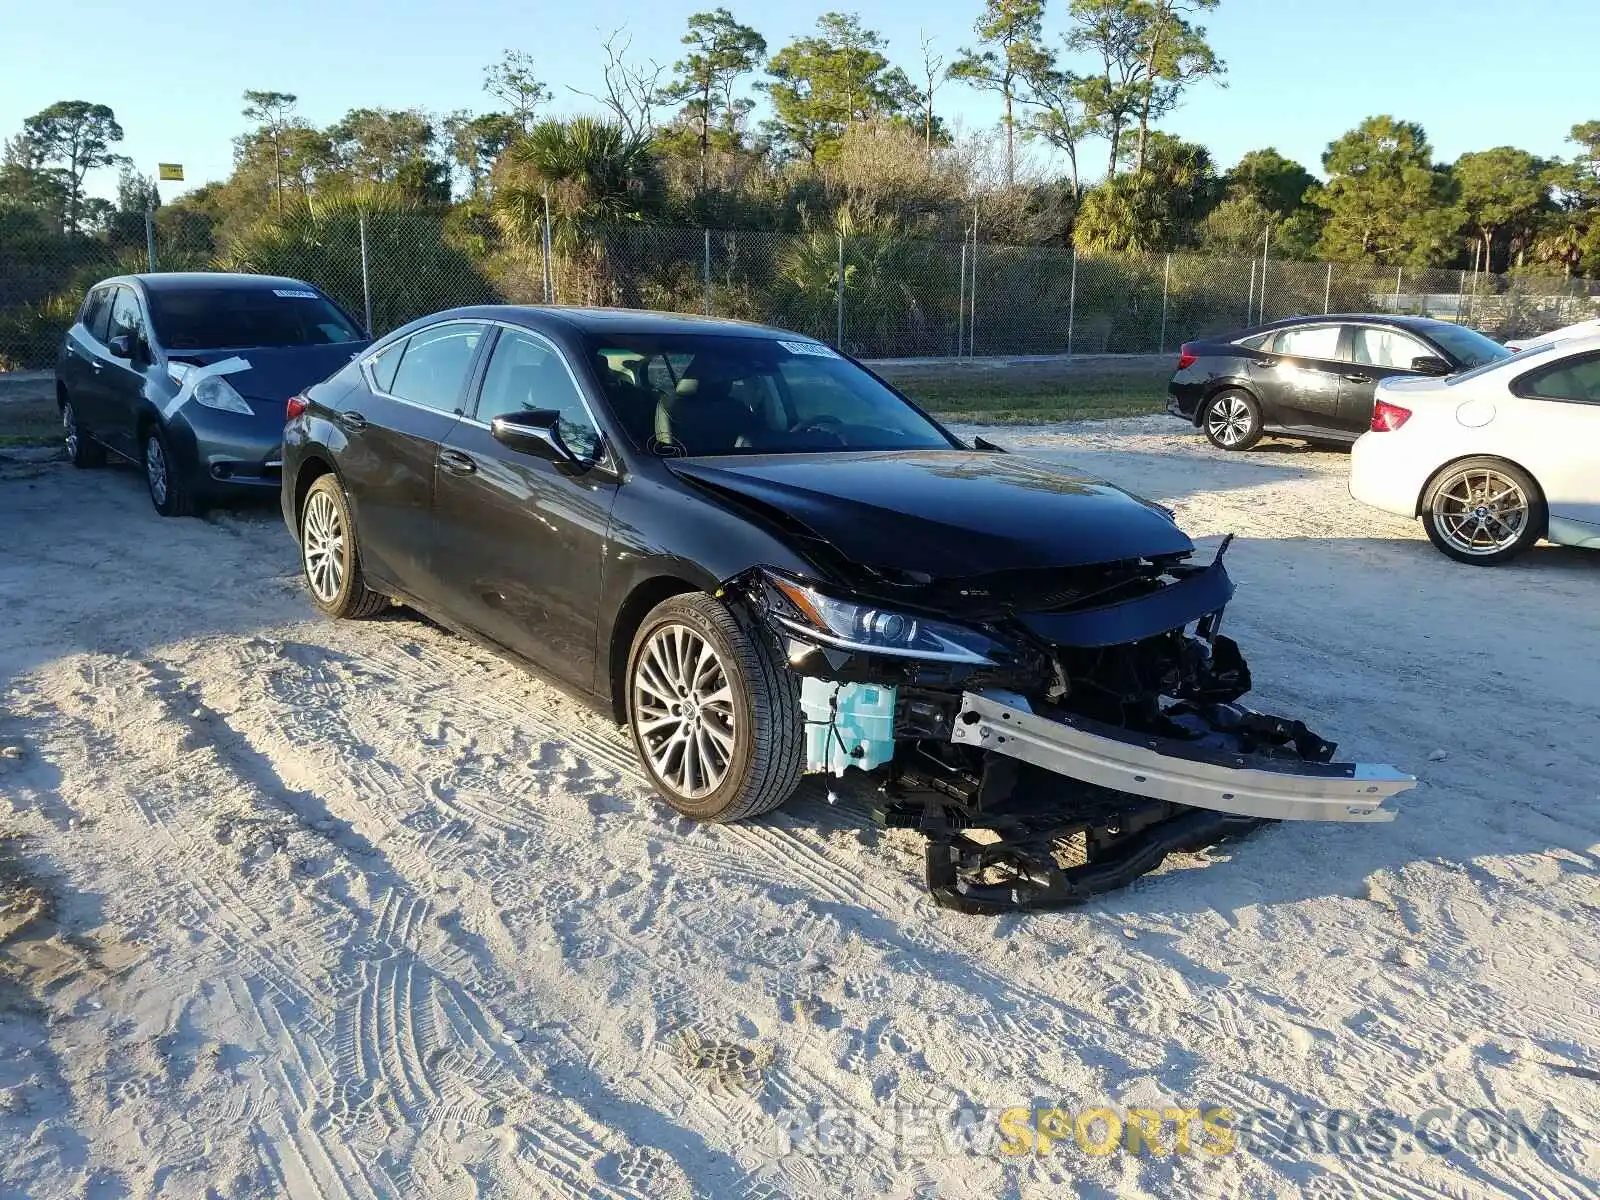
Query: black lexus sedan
[
  {"x": 1311, "y": 377},
  {"x": 188, "y": 374},
  {"x": 766, "y": 561}
]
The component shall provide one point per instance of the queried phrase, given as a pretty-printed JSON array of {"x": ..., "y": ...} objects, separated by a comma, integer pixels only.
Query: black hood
[
  {"x": 277, "y": 372},
  {"x": 947, "y": 514}
]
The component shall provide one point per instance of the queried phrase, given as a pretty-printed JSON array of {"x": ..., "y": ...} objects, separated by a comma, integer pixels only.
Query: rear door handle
[
  {"x": 456, "y": 462},
  {"x": 352, "y": 420},
  {"x": 1355, "y": 378}
]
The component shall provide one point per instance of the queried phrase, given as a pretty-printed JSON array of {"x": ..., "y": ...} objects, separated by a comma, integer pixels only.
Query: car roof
[
  {"x": 615, "y": 320},
  {"x": 186, "y": 281},
  {"x": 1398, "y": 320}
]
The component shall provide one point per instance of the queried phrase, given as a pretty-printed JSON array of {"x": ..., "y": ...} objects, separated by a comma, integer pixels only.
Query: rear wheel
[
  {"x": 330, "y": 557},
  {"x": 163, "y": 475},
  {"x": 82, "y": 450},
  {"x": 714, "y": 717},
  {"x": 1232, "y": 420},
  {"x": 1483, "y": 511}
]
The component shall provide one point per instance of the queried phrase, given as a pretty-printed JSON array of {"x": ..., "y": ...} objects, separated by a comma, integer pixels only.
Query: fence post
[
  {"x": 838, "y": 337},
  {"x": 961, "y": 303},
  {"x": 366, "y": 276},
  {"x": 1327, "y": 292},
  {"x": 1072, "y": 299},
  {"x": 1166, "y": 284},
  {"x": 1250, "y": 301},
  {"x": 1399, "y": 278},
  {"x": 150, "y": 238},
  {"x": 1266, "y": 247},
  {"x": 549, "y": 279},
  {"x": 708, "y": 272},
  {"x": 972, "y": 295}
]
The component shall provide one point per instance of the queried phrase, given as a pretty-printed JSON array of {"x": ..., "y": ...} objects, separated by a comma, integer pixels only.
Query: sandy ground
[{"x": 295, "y": 907}]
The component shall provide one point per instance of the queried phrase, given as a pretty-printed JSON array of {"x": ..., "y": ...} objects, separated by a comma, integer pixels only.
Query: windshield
[
  {"x": 224, "y": 318},
  {"x": 1495, "y": 363},
  {"x": 1469, "y": 347},
  {"x": 706, "y": 394}
]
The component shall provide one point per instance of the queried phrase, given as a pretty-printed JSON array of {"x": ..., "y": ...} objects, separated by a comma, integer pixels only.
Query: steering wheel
[{"x": 831, "y": 426}]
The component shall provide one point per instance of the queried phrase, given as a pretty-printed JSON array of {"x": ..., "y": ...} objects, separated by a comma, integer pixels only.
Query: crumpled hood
[
  {"x": 276, "y": 373},
  {"x": 947, "y": 513}
]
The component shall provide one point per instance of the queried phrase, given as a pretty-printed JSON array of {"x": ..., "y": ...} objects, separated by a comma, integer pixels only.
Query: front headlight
[
  {"x": 854, "y": 625},
  {"x": 216, "y": 392}
]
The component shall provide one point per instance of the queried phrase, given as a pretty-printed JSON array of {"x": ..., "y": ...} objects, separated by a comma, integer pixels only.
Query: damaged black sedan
[{"x": 767, "y": 563}]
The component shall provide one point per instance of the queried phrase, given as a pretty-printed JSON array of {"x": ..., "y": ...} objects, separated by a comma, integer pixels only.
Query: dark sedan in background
[
  {"x": 1311, "y": 377},
  {"x": 188, "y": 375}
]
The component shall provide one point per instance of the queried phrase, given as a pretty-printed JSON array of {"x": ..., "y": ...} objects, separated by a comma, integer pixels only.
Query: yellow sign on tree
[{"x": 170, "y": 171}]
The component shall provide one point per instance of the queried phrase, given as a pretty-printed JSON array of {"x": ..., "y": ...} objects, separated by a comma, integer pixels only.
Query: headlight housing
[
  {"x": 216, "y": 392},
  {"x": 872, "y": 629}
]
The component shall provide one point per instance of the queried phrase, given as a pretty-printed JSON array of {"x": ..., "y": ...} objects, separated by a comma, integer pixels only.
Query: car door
[
  {"x": 390, "y": 435},
  {"x": 1557, "y": 430},
  {"x": 83, "y": 360},
  {"x": 123, "y": 377},
  {"x": 1374, "y": 352},
  {"x": 1300, "y": 378},
  {"x": 519, "y": 541}
]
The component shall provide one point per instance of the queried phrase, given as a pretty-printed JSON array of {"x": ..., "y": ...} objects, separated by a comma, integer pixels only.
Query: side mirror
[
  {"x": 1430, "y": 364},
  {"x": 537, "y": 432},
  {"x": 122, "y": 346}
]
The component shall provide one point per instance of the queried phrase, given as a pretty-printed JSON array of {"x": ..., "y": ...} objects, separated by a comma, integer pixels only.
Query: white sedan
[
  {"x": 1492, "y": 459},
  {"x": 1566, "y": 333}
]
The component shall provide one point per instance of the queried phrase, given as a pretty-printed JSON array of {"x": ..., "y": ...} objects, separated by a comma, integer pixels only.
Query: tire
[
  {"x": 1483, "y": 511},
  {"x": 82, "y": 450},
  {"x": 163, "y": 476},
  {"x": 1232, "y": 420},
  {"x": 761, "y": 742},
  {"x": 329, "y": 557}
]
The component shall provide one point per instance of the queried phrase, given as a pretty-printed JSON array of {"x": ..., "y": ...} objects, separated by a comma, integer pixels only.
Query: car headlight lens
[
  {"x": 216, "y": 392},
  {"x": 853, "y": 625}
]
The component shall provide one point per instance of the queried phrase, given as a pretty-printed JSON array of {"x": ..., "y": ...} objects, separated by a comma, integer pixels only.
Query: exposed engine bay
[{"x": 1054, "y": 734}]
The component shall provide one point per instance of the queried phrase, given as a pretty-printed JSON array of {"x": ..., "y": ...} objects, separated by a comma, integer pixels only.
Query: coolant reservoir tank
[{"x": 847, "y": 724}]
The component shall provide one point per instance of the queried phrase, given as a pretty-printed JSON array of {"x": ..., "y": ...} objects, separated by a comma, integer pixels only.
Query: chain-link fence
[{"x": 875, "y": 296}]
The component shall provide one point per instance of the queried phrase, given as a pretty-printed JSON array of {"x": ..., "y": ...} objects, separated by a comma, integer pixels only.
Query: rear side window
[
  {"x": 97, "y": 313},
  {"x": 433, "y": 369},
  {"x": 1316, "y": 341},
  {"x": 1578, "y": 380},
  {"x": 384, "y": 364}
]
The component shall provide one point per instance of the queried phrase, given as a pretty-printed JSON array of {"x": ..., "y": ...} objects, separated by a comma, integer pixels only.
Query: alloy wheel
[
  {"x": 69, "y": 425},
  {"x": 1480, "y": 511},
  {"x": 322, "y": 547},
  {"x": 1229, "y": 420},
  {"x": 155, "y": 469},
  {"x": 683, "y": 711}
]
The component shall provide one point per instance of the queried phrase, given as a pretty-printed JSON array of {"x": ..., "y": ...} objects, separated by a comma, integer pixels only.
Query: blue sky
[{"x": 1476, "y": 73}]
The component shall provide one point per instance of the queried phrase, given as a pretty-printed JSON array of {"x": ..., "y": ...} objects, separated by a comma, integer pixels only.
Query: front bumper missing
[{"x": 1278, "y": 789}]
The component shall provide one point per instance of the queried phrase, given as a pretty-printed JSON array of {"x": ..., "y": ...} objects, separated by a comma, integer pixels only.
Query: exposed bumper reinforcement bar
[{"x": 1166, "y": 769}]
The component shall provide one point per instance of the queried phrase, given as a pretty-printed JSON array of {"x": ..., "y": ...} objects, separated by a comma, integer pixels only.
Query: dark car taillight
[
  {"x": 1186, "y": 357},
  {"x": 296, "y": 406},
  {"x": 1386, "y": 417}
]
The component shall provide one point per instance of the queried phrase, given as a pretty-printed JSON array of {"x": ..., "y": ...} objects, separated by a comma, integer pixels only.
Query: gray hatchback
[{"x": 188, "y": 375}]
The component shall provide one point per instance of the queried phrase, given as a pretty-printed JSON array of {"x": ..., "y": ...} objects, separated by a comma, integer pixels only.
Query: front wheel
[
  {"x": 1233, "y": 421},
  {"x": 1483, "y": 511},
  {"x": 329, "y": 555},
  {"x": 715, "y": 718},
  {"x": 163, "y": 476}
]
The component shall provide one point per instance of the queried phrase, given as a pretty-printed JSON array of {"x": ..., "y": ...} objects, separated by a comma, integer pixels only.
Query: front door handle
[
  {"x": 1353, "y": 377},
  {"x": 456, "y": 462},
  {"x": 352, "y": 420}
]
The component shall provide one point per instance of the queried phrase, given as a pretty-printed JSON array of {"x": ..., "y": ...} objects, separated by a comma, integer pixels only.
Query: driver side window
[
  {"x": 126, "y": 317},
  {"x": 526, "y": 372}
]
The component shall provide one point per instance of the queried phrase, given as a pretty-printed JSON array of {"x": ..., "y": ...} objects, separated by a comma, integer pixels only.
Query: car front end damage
[{"x": 1056, "y": 733}]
